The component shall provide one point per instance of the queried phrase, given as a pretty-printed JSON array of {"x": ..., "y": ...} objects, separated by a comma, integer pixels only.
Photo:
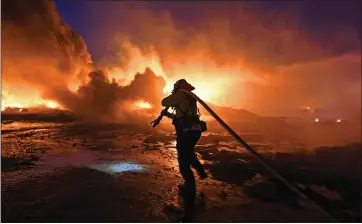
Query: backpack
[{"x": 189, "y": 123}]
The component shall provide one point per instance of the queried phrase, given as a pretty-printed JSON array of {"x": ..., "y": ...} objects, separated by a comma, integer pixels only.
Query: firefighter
[{"x": 188, "y": 133}]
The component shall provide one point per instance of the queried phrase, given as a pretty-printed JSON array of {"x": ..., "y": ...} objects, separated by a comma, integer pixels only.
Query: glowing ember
[
  {"x": 143, "y": 105},
  {"x": 316, "y": 120}
]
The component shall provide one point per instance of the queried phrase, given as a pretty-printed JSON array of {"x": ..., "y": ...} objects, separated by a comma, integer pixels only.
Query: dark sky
[{"x": 319, "y": 19}]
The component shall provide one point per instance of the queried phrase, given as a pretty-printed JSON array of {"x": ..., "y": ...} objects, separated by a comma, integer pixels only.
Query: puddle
[{"x": 118, "y": 167}]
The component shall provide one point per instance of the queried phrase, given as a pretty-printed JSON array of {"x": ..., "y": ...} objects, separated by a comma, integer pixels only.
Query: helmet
[{"x": 182, "y": 84}]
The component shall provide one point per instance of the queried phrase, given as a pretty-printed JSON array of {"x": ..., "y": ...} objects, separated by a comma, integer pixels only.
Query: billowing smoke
[
  {"x": 39, "y": 52},
  {"x": 270, "y": 59},
  {"x": 104, "y": 99},
  {"x": 44, "y": 59},
  {"x": 242, "y": 54}
]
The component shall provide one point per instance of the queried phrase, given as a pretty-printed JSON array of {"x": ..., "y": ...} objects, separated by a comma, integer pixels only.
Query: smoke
[
  {"x": 43, "y": 58},
  {"x": 266, "y": 58},
  {"x": 39, "y": 52},
  {"x": 105, "y": 100},
  {"x": 241, "y": 54},
  {"x": 333, "y": 84}
]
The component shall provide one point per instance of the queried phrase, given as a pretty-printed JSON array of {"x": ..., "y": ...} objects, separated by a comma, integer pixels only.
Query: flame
[
  {"x": 24, "y": 95},
  {"x": 208, "y": 90},
  {"x": 51, "y": 104},
  {"x": 143, "y": 105},
  {"x": 209, "y": 79},
  {"x": 26, "y": 101},
  {"x": 43, "y": 103},
  {"x": 17, "y": 105},
  {"x": 338, "y": 120},
  {"x": 316, "y": 120}
]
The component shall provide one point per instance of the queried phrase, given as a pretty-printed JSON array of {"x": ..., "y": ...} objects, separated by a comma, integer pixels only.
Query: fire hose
[
  {"x": 259, "y": 157},
  {"x": 250, "y": 150}
]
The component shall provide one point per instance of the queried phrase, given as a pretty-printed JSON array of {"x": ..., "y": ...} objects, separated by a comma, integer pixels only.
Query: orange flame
[
  {"x": 209, "y": 78},
  {"x": 26, "y": 101},
  {"x": 143, "y": 105}
]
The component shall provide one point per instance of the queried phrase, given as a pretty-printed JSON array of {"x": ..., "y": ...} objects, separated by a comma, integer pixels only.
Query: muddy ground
[{"x": 76, "y": 172}]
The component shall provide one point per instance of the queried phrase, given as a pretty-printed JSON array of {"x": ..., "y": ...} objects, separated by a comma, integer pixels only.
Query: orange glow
[
  {"x": 173, "y": 144},
  {"x": 213, "y": 82},
  {"x": 316, "y": 120},
  {"x": 338, "y": 120},
  {"x": 210, "y": 79},
  {"x": 26, "y": 101},
  {"x": 43, "y": 103},
  {"x": 209, "y": 90},
  {"x": 206, "y": 118},
  {"x": 51, "y": 104},
  {"x": 143, "y": 105},
  {"x": 24, "y": 95}
]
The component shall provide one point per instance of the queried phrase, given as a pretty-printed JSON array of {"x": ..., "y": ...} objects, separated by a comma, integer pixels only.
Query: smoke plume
[
  {"x": 272, "y": 59},
  {"x": 43, "y": 58},
  {"x": 104, "y": 99},
  {"x": 242, "y": 54}
]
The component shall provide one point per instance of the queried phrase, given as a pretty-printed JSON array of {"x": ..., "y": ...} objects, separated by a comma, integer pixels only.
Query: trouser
[{"x": 187, "y": 158}]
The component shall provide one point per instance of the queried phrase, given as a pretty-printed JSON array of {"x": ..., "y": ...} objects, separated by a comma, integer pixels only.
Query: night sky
[{"x": 320, "y": 19}]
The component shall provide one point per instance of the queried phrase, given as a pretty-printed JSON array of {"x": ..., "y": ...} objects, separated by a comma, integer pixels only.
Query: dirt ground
[{"x": 76, "y": 172}]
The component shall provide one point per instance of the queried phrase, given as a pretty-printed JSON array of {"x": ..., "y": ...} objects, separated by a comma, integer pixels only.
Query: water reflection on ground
[{"x": 57, "y": 163}]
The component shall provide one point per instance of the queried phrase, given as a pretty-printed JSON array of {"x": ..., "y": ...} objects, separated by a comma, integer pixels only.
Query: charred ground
[{"x": 46, "y": 176}]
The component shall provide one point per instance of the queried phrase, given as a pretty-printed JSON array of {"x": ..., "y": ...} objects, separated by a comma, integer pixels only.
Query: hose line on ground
[{"x": 258, "y": 156}]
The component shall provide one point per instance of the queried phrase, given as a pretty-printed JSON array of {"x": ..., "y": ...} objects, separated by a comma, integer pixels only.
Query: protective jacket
[{"x": 185, "y": 105}]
